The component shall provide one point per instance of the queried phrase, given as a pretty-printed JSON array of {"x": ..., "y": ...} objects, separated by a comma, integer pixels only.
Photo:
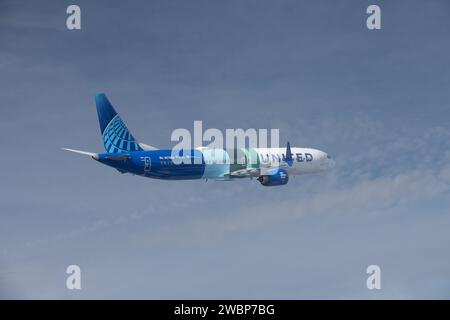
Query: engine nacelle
[{"x": 279, "y": 178}]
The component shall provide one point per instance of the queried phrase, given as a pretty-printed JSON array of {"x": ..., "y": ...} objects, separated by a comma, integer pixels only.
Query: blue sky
[{"x": 378, "y": 101}]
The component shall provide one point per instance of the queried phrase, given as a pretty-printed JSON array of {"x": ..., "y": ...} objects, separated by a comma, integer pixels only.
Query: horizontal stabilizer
[
  {"x": 91, "y": 154},
  {"x": 147, "y": 147}
]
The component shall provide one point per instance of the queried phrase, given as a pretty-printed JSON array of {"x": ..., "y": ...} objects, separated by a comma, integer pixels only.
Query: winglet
[
  {"x": 91, "y": 154},
  {"x": 289, "y": 155}
]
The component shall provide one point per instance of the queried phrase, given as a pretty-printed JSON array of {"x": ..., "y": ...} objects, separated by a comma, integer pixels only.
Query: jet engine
[{"x": 278, "y": 178}]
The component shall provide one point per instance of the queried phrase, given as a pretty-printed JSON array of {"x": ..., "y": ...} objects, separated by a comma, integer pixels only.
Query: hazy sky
[{"x": 378, "y": 101}]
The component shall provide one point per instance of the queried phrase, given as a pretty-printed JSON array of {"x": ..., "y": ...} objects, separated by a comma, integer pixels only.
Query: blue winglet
[{"x": 289, "y": 160}]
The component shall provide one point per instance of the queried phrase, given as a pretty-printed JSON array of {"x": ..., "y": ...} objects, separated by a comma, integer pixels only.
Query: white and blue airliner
[{"x": 270, "y": 166}]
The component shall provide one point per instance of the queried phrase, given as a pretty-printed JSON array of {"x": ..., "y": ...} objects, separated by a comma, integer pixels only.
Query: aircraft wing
[
  {"x": 243, "y": 173},
  {"x": 256, "y": 172}
]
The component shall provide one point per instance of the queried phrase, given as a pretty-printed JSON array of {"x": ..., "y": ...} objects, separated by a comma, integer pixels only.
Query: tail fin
[{"x": 116, "y": 136}]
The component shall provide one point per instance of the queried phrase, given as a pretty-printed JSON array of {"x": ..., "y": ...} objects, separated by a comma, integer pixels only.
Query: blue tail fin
[{"x": 116, "y": 136}]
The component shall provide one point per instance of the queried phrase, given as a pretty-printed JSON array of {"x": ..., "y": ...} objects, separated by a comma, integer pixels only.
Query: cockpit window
[{"x": 328, "y": 157}]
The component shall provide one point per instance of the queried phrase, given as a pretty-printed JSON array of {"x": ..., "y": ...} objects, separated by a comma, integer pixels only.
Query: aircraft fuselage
[{"x": 218, "y": 164}]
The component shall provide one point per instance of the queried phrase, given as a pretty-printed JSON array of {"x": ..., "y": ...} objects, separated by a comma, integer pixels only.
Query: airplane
[{"x": 270, "y": 166}]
